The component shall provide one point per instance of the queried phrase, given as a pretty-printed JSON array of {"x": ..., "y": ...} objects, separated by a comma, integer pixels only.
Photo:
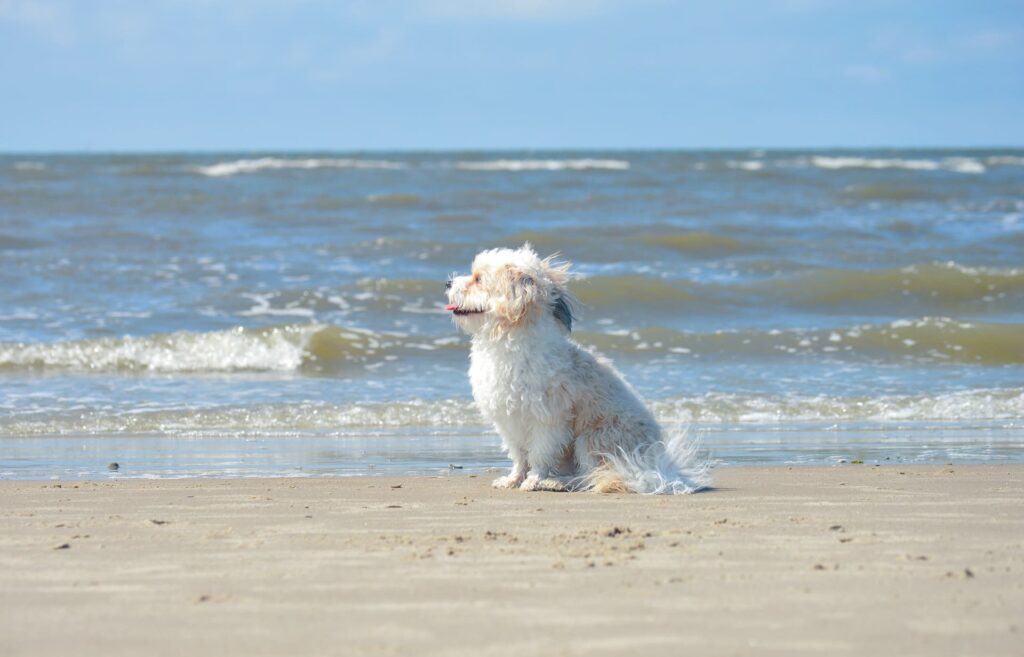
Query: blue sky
[{"x": 473, "y": 74}]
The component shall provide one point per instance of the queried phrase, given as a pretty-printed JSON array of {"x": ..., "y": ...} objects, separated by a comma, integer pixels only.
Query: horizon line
[{"x": 520, "y": 149}]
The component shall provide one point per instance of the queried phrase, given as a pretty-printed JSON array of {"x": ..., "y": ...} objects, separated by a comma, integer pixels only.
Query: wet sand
[{"x": 849, "y": 560}]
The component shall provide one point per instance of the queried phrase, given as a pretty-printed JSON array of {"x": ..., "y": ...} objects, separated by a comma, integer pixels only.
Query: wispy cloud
[
  {"x": 869, "y": 74},
  {"x": 341, "y": 61},
  {"x": 524, "y": 10},
  {"x": 49, "y": 21}
]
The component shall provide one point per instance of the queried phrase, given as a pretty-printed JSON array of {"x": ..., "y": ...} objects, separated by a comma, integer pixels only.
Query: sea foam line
[
  {"x": 264, "y": 163},
  {"x": 542, "y": 165},
  {"x": 710, "y": 410}
]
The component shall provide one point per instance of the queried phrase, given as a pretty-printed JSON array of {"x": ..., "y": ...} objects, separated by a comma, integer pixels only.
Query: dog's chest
[{"x": 507, "y": 385}]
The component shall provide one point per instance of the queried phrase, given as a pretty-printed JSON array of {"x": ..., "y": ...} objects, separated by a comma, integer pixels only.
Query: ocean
[{"x": 265, "y": 314}]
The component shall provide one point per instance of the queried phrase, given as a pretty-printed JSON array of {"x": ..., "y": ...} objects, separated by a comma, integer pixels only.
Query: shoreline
[
  {"x": 421, "y": 453},
  {"x": 895, "y": 559}
]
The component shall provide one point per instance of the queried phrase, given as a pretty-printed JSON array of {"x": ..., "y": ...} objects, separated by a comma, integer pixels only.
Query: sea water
[{"x": 260, "y": 314}]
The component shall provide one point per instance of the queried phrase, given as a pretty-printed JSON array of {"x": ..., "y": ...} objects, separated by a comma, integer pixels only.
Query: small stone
[{"x": 114, "y": 467}]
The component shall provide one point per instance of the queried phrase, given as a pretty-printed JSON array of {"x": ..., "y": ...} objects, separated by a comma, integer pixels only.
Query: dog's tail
[{"x": 671, "y": 466}]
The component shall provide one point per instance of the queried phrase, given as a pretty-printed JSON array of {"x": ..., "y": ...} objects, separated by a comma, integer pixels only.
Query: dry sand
[{"x": 788, "y": 561}]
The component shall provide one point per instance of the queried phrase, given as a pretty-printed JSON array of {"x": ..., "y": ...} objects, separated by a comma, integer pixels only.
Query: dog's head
[{"x": 508, "y": 289}]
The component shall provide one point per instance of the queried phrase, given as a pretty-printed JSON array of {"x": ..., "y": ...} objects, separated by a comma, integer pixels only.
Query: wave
[
  {"x": 542, "y": 165},
  {"x": 336, "y": 350},
  {"x": 941, "y": 286},
  {"x": 955, "y": 164},
  {"x": 699, "y": 243},
  {"x": 264, "y": 163},
  {"x": 28, "y": 165},
  {"x": 608, "y": 242},
  {"x": 895, "y": 193},
  {"x": 930, "y": 339},
  {"x": 708, "y": 410},
  {"x": 931, "y": 288},
  {"x": 1005, "y": 160},
  {"x": 746, "y": 165},
  {"x": 397, "y": 200},
  {"x": 296, "y": 347},
  {"x": 275, "y": 349},
  {"x": 13, "y": 242},
  {"x": 632, "y": 291}
]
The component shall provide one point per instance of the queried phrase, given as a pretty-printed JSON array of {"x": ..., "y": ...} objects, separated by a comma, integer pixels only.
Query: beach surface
[{"x": 855, "y": 559}]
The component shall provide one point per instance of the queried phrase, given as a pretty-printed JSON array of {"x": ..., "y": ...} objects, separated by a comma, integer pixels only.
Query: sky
[{"x": 184, "y": 75}]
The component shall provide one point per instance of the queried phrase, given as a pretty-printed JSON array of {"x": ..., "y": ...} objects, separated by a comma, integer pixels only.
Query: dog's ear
[
  {"x": 519, "y": 291},
  {"x": 562, "y": 309},
  {"x": 563, "y": 303}
]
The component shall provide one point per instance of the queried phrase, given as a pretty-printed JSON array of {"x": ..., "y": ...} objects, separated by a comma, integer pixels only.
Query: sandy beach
[{"x": 848, "y": 560}]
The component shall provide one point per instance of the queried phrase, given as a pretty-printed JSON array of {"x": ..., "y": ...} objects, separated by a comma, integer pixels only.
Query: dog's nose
[{"x": 448, "y": 285}]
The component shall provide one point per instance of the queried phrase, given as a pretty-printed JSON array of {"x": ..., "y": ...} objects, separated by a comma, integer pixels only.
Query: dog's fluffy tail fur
[{"x": 666, "y": 467}]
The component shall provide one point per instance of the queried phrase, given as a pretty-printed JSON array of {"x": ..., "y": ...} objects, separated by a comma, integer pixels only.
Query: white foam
[
  {"x": 1005, "y": 160},
  {"x": 276, "y": 349},
  {"x": 746, "y": 165},
  {"x": 263, "y": 307},
  {"x": 542, "y": 165},
  {"x": 260, "y": 164},
  {"x": 824, "y": 162},
  {"x": 955, "y": 164},
  {"x": 710, "y": 410},
  {"x": 968, "y": 405},
  {"x": 29, "y": 166},
  {"x": 963, "y": 165}
]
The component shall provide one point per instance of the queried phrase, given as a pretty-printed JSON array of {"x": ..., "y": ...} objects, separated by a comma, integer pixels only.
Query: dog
[{"x": 568, "y": 420}]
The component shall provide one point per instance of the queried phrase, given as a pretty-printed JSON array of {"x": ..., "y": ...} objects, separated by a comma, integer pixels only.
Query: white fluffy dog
[{"x": 567, "y": 418}]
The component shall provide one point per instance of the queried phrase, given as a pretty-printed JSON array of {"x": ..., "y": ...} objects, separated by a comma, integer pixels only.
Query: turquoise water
[{"x": 282, "y": 314}]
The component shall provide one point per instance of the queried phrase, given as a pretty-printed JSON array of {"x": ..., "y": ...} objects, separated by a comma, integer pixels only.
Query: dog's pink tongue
[{"x": 450, "y": 307}]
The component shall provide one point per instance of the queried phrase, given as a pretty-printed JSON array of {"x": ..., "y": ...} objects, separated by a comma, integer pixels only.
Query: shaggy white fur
[{"x": 567, "y": 418}]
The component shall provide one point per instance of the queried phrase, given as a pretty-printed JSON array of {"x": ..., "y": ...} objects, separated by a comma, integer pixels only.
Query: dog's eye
[{"x": 448, "y": 284}]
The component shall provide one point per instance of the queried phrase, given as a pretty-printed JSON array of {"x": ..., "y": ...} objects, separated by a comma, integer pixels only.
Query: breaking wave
[
  {"x": 264, "y": 163},
  {"x": 956, "y": 164},
  {"x": 312, "y": 347},
  {"x": 1005, "y": 160},
  {"x": 340, "y": 351},
  {"x": 542, "y": 165},
  {"x": 959, "y": 164}
]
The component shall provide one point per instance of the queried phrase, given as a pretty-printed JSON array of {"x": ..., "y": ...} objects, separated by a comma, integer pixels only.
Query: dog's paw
[
  {"x": 508, "y": 481},
  {"x": 548, "y": 484}
]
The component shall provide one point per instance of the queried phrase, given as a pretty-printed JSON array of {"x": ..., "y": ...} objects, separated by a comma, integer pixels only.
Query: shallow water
[{"x": 239, "y": 314}]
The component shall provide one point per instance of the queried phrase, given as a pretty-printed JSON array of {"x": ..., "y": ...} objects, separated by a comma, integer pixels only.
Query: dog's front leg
[
  {"x": 518, "y": 473},
  {"x": 546, "y": 455}
]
